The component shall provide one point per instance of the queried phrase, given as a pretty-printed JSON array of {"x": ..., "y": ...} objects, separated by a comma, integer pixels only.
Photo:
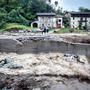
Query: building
[
  {"x": 58, "y": 21},
  {"x": 48, "y": 20},
  {"x": 80, "y": 20}
]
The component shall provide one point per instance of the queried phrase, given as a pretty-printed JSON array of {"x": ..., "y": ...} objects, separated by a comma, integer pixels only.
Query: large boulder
[{"x": 8, "y": 63}]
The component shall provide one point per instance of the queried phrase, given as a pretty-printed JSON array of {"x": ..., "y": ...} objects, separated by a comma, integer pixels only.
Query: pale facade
[
  {"x": 74, "y": 22},
  {"x": 77, "y": 18},
  {"x": 49, "y": 20}
]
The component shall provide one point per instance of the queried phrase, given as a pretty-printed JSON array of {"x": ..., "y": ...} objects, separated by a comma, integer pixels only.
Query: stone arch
[{"x": 34, "y": 24}]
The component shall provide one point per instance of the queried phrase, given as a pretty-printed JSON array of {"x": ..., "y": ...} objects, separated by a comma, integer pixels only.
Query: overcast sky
[{"x": 73, "y": 5}]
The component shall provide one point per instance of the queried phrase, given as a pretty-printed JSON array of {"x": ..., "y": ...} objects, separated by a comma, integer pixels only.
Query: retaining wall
[{"x": 42, "y": 45}]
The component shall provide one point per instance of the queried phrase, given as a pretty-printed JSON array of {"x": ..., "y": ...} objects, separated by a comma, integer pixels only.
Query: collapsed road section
[
  {"x": 73, "y": 44},
  {"x": 44, "y": 62}
]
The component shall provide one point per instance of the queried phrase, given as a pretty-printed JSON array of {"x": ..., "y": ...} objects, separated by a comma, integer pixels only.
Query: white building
[
  {"x": 80, "y": 19},
  {"x": 48, "y": 20}
]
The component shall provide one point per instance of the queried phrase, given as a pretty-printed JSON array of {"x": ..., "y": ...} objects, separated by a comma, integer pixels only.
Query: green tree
[
  {"x": 56, "y": 3},
  {"x": 3, "y": 15},
  {"x": 40, "y": 6},
  {"x": 82, "y": 9},
  {"x": 59, "y": 11},
  {"x": 22, "y": 11}
]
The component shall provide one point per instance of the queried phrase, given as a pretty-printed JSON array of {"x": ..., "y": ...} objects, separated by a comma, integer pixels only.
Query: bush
[
  {"x": 3, "y": 15},
  {"x": 2, "y": 20},
  {"x": 15, "y": 17},
  {"x": 15, "y": 27},
  {"x": 2, "y": 24},
  {"x": 71, "y": 30}
]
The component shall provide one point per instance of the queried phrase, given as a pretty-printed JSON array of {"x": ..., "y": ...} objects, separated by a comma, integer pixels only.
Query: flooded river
[{"x": 29, "y": 82}]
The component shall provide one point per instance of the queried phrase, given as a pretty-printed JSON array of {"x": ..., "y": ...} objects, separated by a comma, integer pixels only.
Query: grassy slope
[
  {"x": 67, "y": 30},
  {"x": 11, "y": 26},
  {"x": 15, "y": 26}
]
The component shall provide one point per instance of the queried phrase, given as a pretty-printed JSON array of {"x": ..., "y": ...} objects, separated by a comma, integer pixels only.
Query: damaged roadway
[{"x": 30, "y": 67}]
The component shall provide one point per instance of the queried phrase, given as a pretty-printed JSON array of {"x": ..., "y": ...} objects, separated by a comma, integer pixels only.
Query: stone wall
[{"x": 42, "y": 45}]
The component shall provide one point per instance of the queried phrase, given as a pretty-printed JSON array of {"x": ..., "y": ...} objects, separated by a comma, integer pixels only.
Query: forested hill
[{"x": 21, "y": 11}]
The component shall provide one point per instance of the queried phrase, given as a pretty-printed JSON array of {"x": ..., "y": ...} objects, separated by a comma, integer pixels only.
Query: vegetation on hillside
[
  {"x": 82, "y": 9},
  {"x": 68, "y": 30},
  {"x": 21, "y": 11},
  {"x": 14, "y": 26}
]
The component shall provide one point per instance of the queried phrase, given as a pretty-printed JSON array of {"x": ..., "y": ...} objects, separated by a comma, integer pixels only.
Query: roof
[
  {"x": 59, "y": 16},
  {"x": 45, "y": 14},
  {"x": 80, "y": 14}
]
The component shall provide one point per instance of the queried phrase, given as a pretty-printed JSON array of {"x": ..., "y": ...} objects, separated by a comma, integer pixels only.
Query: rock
[
  {"x": 2, "y": 63},
  {"x": 36, "y": 89},
  {"x": 66, "y": 55},
  {"x": 83, "y": 59},
  {"x": 15, "y": 66},
  {"x": 71, "y": 58},
  {"x": 5, "y": 61},
  {"x": 2, "y": 85},
  {"x": 9, "y": 87},
  {"x": 76, "y": 56}
]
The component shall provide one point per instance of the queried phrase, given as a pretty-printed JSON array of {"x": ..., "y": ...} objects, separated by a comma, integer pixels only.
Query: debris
[{"x": 71, "y": 58}]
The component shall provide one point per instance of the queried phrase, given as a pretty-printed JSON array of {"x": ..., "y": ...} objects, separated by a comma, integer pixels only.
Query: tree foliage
[
  {"x": 22, "y": 11},
  {"x": 82, "y": 9}
]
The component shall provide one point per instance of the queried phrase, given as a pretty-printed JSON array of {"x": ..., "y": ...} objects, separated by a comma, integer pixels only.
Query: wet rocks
[
  {"x": 15, "y": 66},
  {"x": 75, "y": 58},
  {"x": 2, "y": 63},
  {"x": 71, "y": 58},
  {"x": 5, "y": 61},
  {"x": 8, "y": 63}
]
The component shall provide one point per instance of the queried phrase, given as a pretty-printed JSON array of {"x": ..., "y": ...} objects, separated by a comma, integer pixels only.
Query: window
[{"x": 59, "y": 20}]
